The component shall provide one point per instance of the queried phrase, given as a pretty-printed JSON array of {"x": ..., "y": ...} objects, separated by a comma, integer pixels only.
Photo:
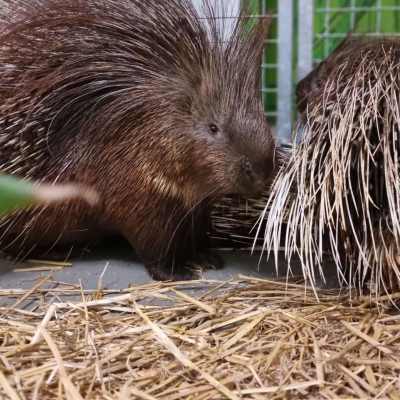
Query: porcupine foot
[{"x": 187, "y": 270}]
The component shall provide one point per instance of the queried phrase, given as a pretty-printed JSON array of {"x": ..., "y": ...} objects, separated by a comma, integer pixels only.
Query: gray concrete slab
[{"x": 123, "y": 270}]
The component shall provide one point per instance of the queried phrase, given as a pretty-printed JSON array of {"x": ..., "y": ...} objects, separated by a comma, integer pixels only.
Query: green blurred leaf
[{"x": 15, "y": 194}]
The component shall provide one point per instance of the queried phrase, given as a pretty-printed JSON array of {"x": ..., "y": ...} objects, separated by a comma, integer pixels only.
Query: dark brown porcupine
[
  {"x": 152, "y": 105},
  {"x": 346, "y": 170}
]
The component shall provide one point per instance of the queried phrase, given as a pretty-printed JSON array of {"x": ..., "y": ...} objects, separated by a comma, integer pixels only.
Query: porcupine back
[
  {"x": 346, "y": 170},
  {"x": 146, "y": 102}
]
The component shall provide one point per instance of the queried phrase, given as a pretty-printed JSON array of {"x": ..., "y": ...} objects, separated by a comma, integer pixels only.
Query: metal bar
[
  {"x": 305, "y": 38},
  {"x": 353, "y": 14},
  {"x": 285, "y": 38},
  {"x": 269, "y": 90},
  {"x": 343, "y": 35},
  {"x": 264, "y": 64},
  {"x": 378, "y": 16},
  {"x": 349, "y": 9},
  {"x": 326, "y": 28}
]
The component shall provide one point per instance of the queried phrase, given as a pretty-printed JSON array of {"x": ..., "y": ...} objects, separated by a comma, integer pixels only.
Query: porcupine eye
[
  {"x": 213, "y": 129},
  {"x": 319, "y": 82}
]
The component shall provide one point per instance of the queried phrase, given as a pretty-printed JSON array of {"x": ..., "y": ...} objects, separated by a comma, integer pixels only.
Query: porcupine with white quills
[
  {"x": 153, "y": 106},
  {"x": 341, "y": 185}
]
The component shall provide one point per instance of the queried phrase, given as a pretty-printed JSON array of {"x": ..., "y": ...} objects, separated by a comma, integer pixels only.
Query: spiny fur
[
  {"x": 234, "y": 218},
  {"x": 119, "y": 95},
  {"x": 345, "y": 171}
]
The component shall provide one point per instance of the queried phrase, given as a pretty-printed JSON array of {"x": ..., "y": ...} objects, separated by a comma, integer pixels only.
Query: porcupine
[
  {"x": 346, "y": 169},
  {"x": 150, "y": 104}
]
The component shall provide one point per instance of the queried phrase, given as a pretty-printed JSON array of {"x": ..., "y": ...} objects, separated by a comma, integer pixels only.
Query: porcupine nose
[{"x": 256, "y": 180}]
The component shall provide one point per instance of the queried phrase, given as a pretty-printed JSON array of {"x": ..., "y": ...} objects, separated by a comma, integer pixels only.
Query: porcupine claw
[
  {"x": 206, "y": 260},
  {"x": 190, "y": 269}
]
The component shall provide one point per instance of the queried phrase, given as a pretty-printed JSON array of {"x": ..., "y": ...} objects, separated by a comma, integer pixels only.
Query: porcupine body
[
  {"x": 346, "y": 168},
  {"x": 151, "y": 105}
]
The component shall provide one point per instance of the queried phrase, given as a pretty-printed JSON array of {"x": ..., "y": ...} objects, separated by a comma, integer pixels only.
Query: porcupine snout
[
  {"x": 261, "y": 160},
  {"x": 256, "y": 175}
]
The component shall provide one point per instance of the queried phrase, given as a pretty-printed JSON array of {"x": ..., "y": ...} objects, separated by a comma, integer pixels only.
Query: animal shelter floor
[{"x": 124, "y": 270}]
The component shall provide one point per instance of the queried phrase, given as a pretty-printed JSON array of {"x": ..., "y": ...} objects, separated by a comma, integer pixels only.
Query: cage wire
[
  {"x": 305, "y": 32},
  {"x": 302, "y": 34}
]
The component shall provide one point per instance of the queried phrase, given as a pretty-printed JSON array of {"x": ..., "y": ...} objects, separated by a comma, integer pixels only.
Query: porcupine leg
[
  {"x": 201, "y": 256},
  {"x": 178, "y": 251}
]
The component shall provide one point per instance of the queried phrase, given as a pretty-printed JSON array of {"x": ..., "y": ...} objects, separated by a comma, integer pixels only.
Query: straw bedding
[{"x": 241, "y": 339}]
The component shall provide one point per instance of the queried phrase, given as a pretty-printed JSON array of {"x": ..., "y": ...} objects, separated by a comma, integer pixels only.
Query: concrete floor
[{"x": 123, "y": 270}]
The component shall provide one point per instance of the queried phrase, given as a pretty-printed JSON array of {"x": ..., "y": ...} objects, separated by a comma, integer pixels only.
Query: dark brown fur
[
  {"x": 309, "y": 87},
  {"x": 120, "y": 95}
]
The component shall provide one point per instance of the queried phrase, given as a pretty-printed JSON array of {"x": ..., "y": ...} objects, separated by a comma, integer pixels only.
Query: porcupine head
[
  {"x": 309, "y": 88},
  {"x": 158, "y": 109}
]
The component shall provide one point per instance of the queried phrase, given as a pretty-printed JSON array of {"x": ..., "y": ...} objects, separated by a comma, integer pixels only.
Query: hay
[{"x": 245, "y": 338}]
